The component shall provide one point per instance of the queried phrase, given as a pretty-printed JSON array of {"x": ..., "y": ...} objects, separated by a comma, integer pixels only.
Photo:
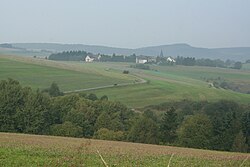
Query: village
[{"x": 141, "y": 59}]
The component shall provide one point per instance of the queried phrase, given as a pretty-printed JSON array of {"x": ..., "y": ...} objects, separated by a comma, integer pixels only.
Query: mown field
[
  {"x": 164, "y": 83},
  {"x": 22, "y": 52},
  {"x": 34, "y": 150},
  {"x": 178, "y": 83},
  {"x": 246, "y": 66},
  {"x": 38, "y": 73}
]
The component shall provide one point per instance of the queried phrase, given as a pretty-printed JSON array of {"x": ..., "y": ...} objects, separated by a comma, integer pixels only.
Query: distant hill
[
  {"x": 5, "y": 45},
  {"x": 174, "y": 50}
]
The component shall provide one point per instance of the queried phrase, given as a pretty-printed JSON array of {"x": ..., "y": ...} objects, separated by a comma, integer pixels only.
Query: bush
[
  {"x": 53, "y": 90},
  {"x": 92, "y": 97},
  {"x": 66, "y": 129},
  {"x": 237, "y": 65},
  {"x": 141, "y": 66},
  {"x": 106, "y": 134},
  {"x": 125, "y": 72}
]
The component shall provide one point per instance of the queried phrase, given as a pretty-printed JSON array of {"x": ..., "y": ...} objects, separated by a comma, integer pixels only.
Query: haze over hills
[{"x": 174, "y": 50}]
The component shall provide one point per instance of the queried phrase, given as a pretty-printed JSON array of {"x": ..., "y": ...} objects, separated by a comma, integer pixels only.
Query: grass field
[
  {"x": 246, "y": 66},
  {"x": 40, "y": 74},
  {"x": 178, "y": 83},
  {"x": 165, "y": 83},
  {"x": 22, "y": 52},
  {"x": 33, "y": 150}
]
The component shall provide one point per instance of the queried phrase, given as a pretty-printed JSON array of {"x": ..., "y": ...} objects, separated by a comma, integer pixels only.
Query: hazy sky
[{"x": 127, "y": 23}]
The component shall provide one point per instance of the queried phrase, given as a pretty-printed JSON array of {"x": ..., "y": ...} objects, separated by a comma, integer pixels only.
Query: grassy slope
[
  {"x": 246, "y": 66},
  {"x": 166, "y": 83},
  {"x": 20, "y": 52},
  {"x": 197, "y": 72},
  {"x": 34, "y": 150},
  {"x": 177, "y": 83},
  {"x": 40, "y": 74}
]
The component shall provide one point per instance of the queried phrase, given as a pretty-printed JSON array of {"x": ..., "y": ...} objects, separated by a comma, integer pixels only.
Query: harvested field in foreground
[{"x": 35, "y": 150}]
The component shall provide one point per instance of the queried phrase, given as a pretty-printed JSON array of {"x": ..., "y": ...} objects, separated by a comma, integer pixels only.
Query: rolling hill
[
  {"x": 40, "y": 73},
  {"x": 174, "y": 50},
  {"x": 163, "y": 83}
]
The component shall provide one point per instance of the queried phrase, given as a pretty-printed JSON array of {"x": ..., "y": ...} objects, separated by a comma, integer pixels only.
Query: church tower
[{"x": 161, "y": 54}]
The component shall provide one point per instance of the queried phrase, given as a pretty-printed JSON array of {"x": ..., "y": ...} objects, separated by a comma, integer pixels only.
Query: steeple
[{"x": 161, "y": 55}]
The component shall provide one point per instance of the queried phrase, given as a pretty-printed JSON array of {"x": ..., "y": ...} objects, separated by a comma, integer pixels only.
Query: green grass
[
  {"x": 19, "y": 150},
  {"x": 178, "y": 83},
  {"x": 159, "y": 91},
  {"x": 197, "y": 72},
  {"x": 20, "y": 52},
  {"x": 40, "y": 76},
  {"x": 246, "y": 66},
  {"x": 166, "y": 83}
]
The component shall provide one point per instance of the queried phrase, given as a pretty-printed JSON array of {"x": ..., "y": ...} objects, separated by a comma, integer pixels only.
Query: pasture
[
  {"x": 177, "y": 83},
  {"x": 38, "y": 73},
  {"x": 23, "y": 52},
  {"x": 34, "y": 150},
  {"x": 164, "y": 83},
  {"x": 246, "y": 66}
]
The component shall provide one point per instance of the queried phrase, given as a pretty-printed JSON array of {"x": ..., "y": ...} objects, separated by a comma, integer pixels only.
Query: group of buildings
[{"x": 139, "y": 59}]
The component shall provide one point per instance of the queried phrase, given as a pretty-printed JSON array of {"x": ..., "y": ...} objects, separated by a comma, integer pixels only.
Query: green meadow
[
  {"x": 41, "y": 76},
  {"x": 23, "y": 52},
  {"x": 178, "y": 83},
  {"x": 246, "y": 66},
  {"x": 164, "y": 83},
  {"x": 157, "y": 92}
]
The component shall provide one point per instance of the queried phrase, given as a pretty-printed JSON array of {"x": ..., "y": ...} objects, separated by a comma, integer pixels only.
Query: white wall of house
[
  {"x": 89, "y": 59},
  {"x": 169, "y": 59},
  {"x": 141, "y": 61}
]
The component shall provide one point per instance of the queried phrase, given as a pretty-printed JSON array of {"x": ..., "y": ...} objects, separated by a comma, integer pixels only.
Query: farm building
[
  {"x": 171, "y": 60},
  {"x": 145, "y": 59},
  {"x": 91, "y": 58},
  {"x": 141, "y": 61}
]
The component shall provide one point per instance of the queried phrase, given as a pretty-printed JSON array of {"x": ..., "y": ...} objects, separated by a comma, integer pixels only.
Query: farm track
[
  {"x": 149, "y": 76},
  {"x": 139, "y": 74},
  {"x": 141, "y": 81},
  {"x": 77, "y": 68}
]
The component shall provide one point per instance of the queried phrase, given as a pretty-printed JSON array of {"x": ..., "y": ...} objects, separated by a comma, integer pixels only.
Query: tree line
[
  {"x": 191, "y": 61},
  {"x": 222, "y": 125},
  {"x": 81, "y": 55},
  {"x": 186, "y": 61},
  {"x": 69, "y": 56},
  {"x": 118, "y": 58}
]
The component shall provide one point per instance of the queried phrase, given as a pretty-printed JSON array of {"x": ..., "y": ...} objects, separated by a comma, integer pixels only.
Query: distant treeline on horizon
[{"x": 160, "y": 60}]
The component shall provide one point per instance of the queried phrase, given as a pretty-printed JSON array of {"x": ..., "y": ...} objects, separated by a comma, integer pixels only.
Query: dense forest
[
  {"x": 222, "y": 125},
  {"x": 118, "y": 58},
  {"x": 69, "y": 56},
  {"x": 191, "y": 61}
]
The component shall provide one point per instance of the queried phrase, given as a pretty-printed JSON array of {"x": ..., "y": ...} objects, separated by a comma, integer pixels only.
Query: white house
[
  {"x": 89, "y": 59},
  {"x": 171, "y": 60},
  {"x": 99, "y": 57},
  {"x": 141, "y": 60}
]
